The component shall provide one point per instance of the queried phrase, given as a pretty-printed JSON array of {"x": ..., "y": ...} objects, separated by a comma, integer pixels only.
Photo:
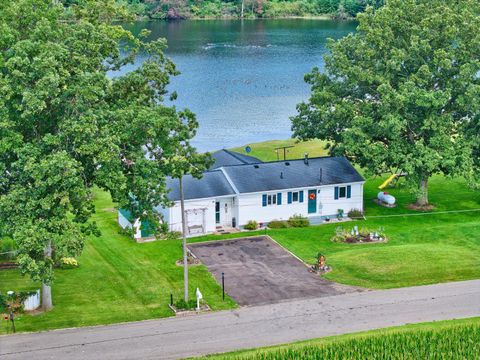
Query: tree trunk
[
  {"x": 243, "y": 7},
  {"x": 47, "y": 303},
  {"x": 46, "y": 297},
  {"x": 422, "y": 197},
  {"x": 184, "y": 232}
]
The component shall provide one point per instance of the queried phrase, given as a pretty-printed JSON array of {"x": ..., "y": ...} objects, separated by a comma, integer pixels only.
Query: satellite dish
[{"x": 248, "y": 149}]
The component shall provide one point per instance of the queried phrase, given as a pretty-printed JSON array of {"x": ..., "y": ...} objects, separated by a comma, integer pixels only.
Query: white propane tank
[{"x": 386, "y": 198}]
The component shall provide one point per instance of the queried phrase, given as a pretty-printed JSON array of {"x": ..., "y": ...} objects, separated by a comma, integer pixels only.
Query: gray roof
[
  {"x": 213, "y": 183},
  {"x": 226, "y": 158},
  {"x": 275, "y": 175},
  {"x": 290, "y": 174}
]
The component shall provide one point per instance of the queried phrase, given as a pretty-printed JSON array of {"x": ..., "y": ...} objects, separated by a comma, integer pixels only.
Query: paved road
[
  {"x": 250, "y": 326},
  {"x": 258, "y": 271}
]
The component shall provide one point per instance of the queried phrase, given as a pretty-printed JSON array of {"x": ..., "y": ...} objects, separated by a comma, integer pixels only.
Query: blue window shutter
[
  {"x": 264, "y": 200},
  {"x": 289, "y": 197},
  {"x": 279, "y": 199},
  {"x": 300, "y": 195},
  {"x": 336, "y": 192},
  {"x": 349, "y": 191}
]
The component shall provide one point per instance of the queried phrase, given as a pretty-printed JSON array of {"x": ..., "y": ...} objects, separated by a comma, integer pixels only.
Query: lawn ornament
[
  {"x": 321, "y": 261},
  {"x": 199, "y": 297}
]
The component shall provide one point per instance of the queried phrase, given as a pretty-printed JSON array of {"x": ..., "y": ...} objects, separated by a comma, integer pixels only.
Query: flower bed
[
  {"x": 180, "y": 307},
  {"x": 191, "y": 260},
  {"x": 357, "y": 236}
]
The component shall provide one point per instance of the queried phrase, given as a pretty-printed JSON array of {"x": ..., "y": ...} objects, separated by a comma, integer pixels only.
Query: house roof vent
[
  {"x": 287, "y": 163},
  {"x": 256, "y": 166}
]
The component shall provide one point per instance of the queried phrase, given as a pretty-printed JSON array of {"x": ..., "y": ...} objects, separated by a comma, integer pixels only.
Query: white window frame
[
  {"x": 340, "y": 191},
  {"x": 293, "y": 196},
  {"x": 271, "y": 199}
]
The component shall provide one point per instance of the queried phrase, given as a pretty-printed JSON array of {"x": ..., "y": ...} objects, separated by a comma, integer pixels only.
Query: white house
[{"x": 240, "y": 188}]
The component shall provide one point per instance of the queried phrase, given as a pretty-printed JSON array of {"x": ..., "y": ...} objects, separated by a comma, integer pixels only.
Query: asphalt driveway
[{"x": 259, "y": 271}]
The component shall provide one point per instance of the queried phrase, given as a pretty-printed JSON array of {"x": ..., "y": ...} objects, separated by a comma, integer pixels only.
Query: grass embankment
[
  {"x": 265, "y": 151},
  {"x": 456, "y": 339},
  {"x": 117, "y": 280}
]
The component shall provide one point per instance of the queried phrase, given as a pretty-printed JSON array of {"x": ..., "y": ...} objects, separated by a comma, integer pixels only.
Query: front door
[
  {"x": 217, "y": 212},
  {"x": 312, "y": 201}
]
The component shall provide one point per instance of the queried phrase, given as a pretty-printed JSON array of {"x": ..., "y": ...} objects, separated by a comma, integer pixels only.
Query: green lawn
[
  {"x": 422, "y": 248},
  {"x": 418, "y": 341},
  {"x": 266, "y": 150},
  {"x": 117, "y": 280}
]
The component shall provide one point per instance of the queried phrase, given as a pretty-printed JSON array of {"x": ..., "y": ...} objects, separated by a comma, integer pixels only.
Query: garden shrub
[
  {"x": 69, "y": 262},
  {"x": 182, "y": 305},
  {"x": 355, "y": 214},
  {"x": 171, "y": 235},
  {"x": 298, "y": 221},
  {"x": 277, "y": 224},
  {"x": 251, "y": 225}
]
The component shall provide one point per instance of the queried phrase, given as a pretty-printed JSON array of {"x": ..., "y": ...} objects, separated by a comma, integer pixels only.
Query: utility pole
[
  {"x": 184, "y": 232},
  {"x": 284, "y": 151}
]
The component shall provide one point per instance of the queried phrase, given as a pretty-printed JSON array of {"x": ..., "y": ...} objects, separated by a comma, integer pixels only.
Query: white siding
[
  {"x": 250, "y": 208},
  {"x": 250, "y": 205},
  {"x": 246, "y": 207},
  {"x": 329, "y": 206}
]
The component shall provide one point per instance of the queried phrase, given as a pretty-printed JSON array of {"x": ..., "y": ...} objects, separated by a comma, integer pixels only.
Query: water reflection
[{"x": 243, "y": 79}]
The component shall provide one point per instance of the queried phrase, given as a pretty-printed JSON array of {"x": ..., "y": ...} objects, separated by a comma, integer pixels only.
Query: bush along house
[{"x": 239, "y": 188}]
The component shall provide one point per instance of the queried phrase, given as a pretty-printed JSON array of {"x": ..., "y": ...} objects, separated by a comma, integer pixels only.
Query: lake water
[{"x": 243, "y": 79}]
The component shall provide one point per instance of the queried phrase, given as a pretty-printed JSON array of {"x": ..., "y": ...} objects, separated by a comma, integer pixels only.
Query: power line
[{"x": 423, "y": 213}]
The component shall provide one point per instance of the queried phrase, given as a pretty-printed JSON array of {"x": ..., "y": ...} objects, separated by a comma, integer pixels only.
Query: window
[
  {"x": 295, "y": 196},
  {"x": 342, "y": 192},
  {"x": 272, "y": 199}
]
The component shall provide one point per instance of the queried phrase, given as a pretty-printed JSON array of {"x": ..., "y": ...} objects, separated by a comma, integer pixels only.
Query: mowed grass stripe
[{"x": 118, "y": 280}]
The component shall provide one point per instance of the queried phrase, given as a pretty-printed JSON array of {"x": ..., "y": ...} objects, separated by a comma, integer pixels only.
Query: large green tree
[
  {"x": 402, "y": 93},
  {"x": 66, "y": 126}
]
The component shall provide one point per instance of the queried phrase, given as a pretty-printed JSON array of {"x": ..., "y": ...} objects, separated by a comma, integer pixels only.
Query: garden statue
[
  {"x": 199, "y": 297},
  {"x": 321, "y": 261}
]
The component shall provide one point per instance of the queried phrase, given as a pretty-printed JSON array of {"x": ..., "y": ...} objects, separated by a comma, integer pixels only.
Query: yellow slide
[{"x": 388, "y": 181}]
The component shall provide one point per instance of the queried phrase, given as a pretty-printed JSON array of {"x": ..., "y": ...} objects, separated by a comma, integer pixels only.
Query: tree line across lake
[{"x": 186, "y": 9}]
